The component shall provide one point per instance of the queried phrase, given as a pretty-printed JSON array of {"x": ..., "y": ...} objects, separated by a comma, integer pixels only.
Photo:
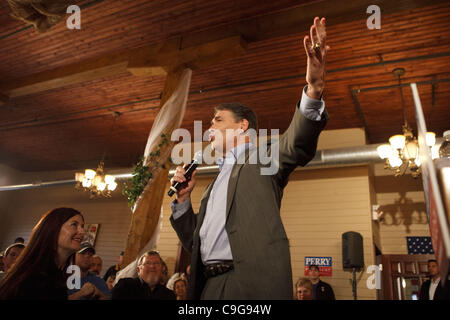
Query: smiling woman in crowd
[{"x": 40, "y": 271}]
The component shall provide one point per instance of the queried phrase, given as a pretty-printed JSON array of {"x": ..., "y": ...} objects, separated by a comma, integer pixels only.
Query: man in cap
[
  {"x": 9, "y": 257},
  {"x": 92, "y": 286},
  {"x": 321, "y": 289}
]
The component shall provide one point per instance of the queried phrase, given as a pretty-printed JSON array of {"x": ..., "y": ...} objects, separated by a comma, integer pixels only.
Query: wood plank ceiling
[{"x": 69, "y": 127}]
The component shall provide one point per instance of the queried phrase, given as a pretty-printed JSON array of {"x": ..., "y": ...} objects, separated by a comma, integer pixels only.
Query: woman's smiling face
[{"x": 71, "y": 234}]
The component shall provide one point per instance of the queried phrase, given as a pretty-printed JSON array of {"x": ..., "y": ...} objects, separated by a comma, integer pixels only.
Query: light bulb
[
  {"x": 417, "y": 162},
  {"x": 86, "y": 182},
  {"x": 89, "y": 173},
  {"x": 384, "y": 151},
  {"x": 79, "y": 177},
  {"x": 430, "y": 138},
  {"x": 395, "y": 161},
  {"x": 411, "y": 150},
  {"x": 101, "y": 186},
  {"x": 109, "y": 179},
  {"x": 112, "y": 186},
  {"x": 435, "y": 151},
  {"x": 97, "y": 180},
  {"x": 397, "y": 141}
]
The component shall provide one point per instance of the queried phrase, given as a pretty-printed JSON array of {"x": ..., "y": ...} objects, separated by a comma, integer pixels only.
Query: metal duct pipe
[
  {"x": 327, "y": 157},
  {"x": 355, "y": 155}
]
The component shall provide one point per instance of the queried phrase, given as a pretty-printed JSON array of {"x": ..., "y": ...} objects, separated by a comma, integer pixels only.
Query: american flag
[{"x": 419, "y": 245}]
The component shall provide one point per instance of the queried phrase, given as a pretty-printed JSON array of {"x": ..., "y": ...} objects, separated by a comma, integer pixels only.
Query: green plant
[{"x": 142, "y": 173}]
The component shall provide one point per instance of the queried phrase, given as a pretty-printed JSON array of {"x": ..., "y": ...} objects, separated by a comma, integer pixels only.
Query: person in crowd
[
  {"x": 110, "y": 282},
  {"x": 303, "y": 289},
  {"x": 2, "y": 265},
  {"x": 147, "y": 285},
  {"x": 229, "y": 259},
  {"x": 432, "y": 289},
  {"x": 321, "y": 289},
  {"x": 180, "y": 288},
  {"x": 115, "y": 268},
  {"x": 19, "y": 240},
  {"x": 96, "y": 265},
  {"x": 178, "y": 284},
  {"x": 40, "y": 272},
  {"x": 10, "y": 255},
  {"x": 92, "y": 287}
]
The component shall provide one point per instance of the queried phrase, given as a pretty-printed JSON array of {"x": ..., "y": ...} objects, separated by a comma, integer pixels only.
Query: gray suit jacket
[{"x": 258, "y": 241}]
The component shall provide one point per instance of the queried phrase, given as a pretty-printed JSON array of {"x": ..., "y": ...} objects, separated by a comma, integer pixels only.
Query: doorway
[{"x": 403, "y": 275}]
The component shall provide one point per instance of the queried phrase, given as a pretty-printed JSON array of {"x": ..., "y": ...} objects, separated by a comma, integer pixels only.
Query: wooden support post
[{"x": 144, "y": 220}]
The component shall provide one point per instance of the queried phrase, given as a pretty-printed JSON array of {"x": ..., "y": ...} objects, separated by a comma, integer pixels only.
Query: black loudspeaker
[{"x": 352, "y": 250}]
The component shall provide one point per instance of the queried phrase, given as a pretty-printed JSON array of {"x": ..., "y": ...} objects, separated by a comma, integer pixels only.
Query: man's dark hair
[
  {"x": 315, "y": 266},
  {"x": 240, "y": 112},
  {"x": 432, "y": 260}
]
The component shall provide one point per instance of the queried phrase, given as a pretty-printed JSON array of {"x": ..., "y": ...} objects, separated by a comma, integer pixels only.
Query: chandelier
[
  {"x": 402, "y": 152},
  {"x": 96, "y": 182}
]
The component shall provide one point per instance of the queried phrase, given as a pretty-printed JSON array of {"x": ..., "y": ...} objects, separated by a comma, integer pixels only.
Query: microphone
[{"x": 189, "y": 170}]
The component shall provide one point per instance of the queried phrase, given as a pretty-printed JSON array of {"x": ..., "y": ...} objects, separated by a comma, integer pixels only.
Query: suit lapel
[{"x": 232, "y": 183}]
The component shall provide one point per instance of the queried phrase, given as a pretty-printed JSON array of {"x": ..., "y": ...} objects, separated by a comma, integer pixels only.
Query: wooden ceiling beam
[
  {"x": 203, "y": 48},
  {"x": 153, "y": 60},
  {"x": 298, "y": 19},
  {"x": 196, "y": 57},
  {"x": 3, "y": 99}
]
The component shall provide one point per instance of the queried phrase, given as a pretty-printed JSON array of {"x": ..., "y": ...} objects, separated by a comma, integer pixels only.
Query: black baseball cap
[
  {"x": 17, "y": 244},
  {"x": 85, "y": 246}
]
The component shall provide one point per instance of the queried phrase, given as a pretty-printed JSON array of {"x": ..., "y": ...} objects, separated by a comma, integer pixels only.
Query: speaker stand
[{"x": 354, "y": 284}]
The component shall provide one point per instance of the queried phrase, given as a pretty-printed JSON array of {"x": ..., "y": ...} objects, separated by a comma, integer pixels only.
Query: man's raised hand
[{"x": 316, "y": 51}]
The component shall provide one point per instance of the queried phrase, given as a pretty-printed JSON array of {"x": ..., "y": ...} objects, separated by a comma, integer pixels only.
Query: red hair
[{"x": 40, "y": 254}]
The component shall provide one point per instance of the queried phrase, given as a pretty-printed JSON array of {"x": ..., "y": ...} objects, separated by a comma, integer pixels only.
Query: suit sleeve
[
  {"x": 424, "y": 291},
  {"x": 184, "y": 225},
  {"x": 297, "y": 146}
]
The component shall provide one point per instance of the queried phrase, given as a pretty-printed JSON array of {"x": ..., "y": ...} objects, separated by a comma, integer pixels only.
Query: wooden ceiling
[{"x": 69, "y": 126}]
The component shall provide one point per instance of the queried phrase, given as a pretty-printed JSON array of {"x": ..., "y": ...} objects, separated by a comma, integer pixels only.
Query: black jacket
[
  {"x": 136, "y": 289},
  {"x": 49, "y": 285},
  {"x": 324, "y": 291},
  {"x": 441, "y": 293}
]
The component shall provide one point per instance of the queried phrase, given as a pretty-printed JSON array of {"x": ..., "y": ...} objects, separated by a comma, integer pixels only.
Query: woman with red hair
[{"x": 40, "y": 270}]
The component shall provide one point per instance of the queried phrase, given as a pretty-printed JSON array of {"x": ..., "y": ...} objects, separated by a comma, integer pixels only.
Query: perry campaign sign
[{"x": 324, "y": 264}]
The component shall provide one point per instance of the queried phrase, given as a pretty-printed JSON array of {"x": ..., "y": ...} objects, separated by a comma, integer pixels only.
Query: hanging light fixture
[
  {"x": 402, "y": 152},
  {"x": 96, "y": 182}
]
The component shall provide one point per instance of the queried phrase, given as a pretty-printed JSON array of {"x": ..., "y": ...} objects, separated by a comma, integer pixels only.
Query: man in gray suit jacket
[{"x": 238, "y": 245}]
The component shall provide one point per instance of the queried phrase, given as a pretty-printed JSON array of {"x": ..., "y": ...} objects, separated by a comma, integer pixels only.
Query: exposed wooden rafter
[
  {"x": 200, "y": 49},
  {"x": 147, "y": 60},
  {"x": 3, "y": 99}
]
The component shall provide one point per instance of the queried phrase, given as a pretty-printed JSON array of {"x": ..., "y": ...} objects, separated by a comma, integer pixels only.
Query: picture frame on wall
[{"x": 91, "y": 233}]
